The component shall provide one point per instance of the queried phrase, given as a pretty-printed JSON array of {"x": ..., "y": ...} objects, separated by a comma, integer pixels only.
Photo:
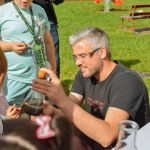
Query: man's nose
[{"x": 78, "y": 61}]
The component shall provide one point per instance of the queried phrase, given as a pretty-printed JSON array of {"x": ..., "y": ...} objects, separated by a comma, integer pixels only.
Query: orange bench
[{"x": 137, "y": 14}]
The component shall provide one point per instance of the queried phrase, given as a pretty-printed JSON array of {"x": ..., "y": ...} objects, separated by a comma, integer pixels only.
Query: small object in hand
[
  {"x": 19, "y": 109},
  {"x": 41, "y": 74}
]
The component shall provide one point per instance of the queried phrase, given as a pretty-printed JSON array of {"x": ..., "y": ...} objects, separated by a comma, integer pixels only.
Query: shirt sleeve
[{"x": 78, "y": 84}]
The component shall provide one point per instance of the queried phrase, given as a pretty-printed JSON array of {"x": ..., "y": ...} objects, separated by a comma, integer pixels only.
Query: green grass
[{"x": 130, "y": 49}]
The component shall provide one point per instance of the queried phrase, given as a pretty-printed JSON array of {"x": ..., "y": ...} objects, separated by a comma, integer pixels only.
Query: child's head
[
  {"x": 3, "y": 67},
  {"x": 20, "y": 134}
]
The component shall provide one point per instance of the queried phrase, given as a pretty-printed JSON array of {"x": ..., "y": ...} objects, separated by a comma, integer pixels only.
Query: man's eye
[{"x": 83, "y": 55}]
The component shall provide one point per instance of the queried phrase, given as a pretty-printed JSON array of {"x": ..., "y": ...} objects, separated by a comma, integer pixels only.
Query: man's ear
[{"x": 103, "y": 52}]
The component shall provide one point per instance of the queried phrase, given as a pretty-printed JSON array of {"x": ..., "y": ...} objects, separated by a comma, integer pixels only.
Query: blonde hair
[{"x": 3, "y": 66}]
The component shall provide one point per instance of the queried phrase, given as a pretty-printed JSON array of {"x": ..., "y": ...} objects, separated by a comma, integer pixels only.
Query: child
[{"x": 42, "y": 134}]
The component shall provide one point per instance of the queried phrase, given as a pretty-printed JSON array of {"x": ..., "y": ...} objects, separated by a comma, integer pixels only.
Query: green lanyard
[
  {"x": 31, "y": 29},
  {"x": 37, "y": 51}
]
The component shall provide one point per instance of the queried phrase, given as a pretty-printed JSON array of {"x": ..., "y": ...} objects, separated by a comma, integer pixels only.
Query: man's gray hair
[{"x": 95, "y": 36}]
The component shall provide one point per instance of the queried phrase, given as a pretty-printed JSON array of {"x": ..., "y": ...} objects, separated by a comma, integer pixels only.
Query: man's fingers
[
  {"x": 38, "y": 89},
  {"x": 40, "y": 83}
]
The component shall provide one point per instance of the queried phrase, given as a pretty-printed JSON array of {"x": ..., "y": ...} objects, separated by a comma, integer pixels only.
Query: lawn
[{"x": 130, "y": 49}]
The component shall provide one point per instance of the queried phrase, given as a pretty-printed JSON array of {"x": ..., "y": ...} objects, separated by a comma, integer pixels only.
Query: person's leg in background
[{"x": 55, "y": 36}]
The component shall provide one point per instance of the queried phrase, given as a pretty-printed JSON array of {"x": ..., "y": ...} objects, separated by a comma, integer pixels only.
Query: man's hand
[
  {"x": 48, "y": 109},
  {"x": 52, "y": 89}
]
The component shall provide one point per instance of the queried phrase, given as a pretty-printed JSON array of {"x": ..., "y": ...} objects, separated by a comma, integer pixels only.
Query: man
[
  {"x": 111, "y": 92},
  {"x": 49, "y": 9},
  {"x": 27, "y": 44}
]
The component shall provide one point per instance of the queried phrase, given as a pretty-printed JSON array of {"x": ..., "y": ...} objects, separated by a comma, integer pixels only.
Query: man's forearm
[{"x": 95, "y": 128}]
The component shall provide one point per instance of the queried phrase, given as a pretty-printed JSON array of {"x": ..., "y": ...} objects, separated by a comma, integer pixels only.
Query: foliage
[{"x": 130, "y": 49}]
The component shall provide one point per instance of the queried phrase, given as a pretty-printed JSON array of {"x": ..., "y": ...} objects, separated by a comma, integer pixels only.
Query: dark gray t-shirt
[{"x": 123, "y": 89}]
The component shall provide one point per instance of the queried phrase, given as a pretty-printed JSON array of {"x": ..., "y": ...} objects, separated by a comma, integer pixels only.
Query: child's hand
[
  {"x": 19, "y": 47},
  {"x": 13, "y": 112}
]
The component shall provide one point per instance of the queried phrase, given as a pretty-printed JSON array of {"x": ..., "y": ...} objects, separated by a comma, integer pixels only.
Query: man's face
[
  {"x": 23, "y": 4},
  {"x": 89, "y": 65}
]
